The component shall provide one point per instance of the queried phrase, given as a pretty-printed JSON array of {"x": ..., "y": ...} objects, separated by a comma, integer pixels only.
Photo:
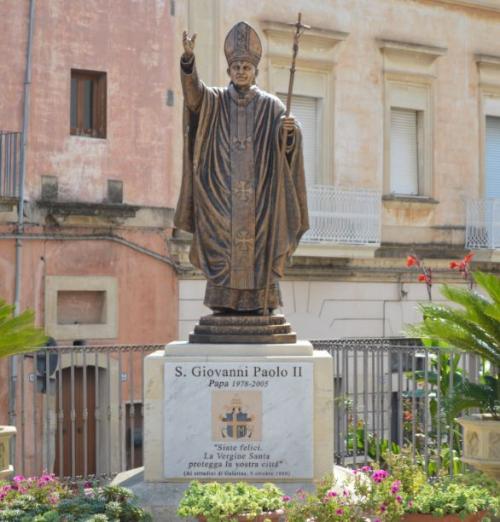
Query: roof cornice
[{"x": 488, "y": 5}]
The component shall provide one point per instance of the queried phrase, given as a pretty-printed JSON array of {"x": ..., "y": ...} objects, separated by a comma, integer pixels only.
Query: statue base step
[{"x": 243, "y": 328}]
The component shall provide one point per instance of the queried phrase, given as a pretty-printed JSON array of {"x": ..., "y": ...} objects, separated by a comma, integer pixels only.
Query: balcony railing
[
  {"x": 483, "y": 223},
  {"x": 10, "y": 163},
  {"x": 343, "y": 216}
]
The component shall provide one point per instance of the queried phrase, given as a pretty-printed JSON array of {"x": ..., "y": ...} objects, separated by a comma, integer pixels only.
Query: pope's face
[{"x": 242, "y": 74}]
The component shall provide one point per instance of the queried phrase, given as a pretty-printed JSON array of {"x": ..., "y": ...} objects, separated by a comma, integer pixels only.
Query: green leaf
[
  {"x": 471, "y": 324},
  {"x": 18, "y": 333}
]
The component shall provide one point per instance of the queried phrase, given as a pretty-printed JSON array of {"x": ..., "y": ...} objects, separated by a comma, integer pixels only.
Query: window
[
  {"x": 483, "y": 209},
  {"x": 88, "y": 104},
  {"x": 492, "y": 157},
  {"x": 409, "y": 73},
  {"x": 408, "y": 142},
  {"x": 134, "y": 426},
  {"x": 81, "y": 307},
  {"x": 405, "y": 151},
  {"x": 306, "y": 111},
  {"x": 313, "y": 103}
]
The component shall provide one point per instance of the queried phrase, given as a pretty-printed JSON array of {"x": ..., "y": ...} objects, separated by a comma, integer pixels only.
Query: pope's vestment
[{"x": 228, "y": 193}]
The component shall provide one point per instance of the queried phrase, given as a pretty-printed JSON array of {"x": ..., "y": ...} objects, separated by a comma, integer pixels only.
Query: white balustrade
[
  {"x": 482, "y": 223},
  {"x": 346, "y": 216}
]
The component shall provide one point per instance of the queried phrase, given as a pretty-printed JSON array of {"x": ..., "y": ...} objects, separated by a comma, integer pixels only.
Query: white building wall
[{"x": 326, "y": 309}]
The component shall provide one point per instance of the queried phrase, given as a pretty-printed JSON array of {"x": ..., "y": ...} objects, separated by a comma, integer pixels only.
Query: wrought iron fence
[
  {"x": 395, "y": 395},
  {"x": 79, "y": 410},
  {"x": 10, "y": 163},
  {"x": 343, "y": 216},
  {"x": 483, "y": 223}
]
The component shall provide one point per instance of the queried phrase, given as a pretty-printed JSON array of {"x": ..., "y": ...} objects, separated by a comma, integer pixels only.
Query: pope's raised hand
[{"x": 188, "y": 43}]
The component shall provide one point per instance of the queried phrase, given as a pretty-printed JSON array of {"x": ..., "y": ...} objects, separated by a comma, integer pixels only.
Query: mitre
[{"x": 243, "y": 43}]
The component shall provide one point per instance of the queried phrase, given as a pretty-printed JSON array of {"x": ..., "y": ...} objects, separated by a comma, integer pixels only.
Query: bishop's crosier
[{"x": 231, "y": 158}]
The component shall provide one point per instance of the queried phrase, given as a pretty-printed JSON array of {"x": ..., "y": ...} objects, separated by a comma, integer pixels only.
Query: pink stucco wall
[
  {"x": 13, "y": 34},
  {"x": 132, "y": 43},
  {"x": 147, "y": 288}
]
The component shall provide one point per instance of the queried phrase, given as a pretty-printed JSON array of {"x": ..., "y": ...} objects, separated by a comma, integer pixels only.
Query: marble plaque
[{"x": 238, "y": 420}]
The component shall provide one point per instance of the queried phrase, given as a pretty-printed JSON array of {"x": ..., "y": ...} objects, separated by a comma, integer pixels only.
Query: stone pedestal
[
  {"x": 482, "y": 443},
  {"x": 6, "y": 468},
  {"x": 244, "y": 329},
  {"x": 262, "y": 413}
]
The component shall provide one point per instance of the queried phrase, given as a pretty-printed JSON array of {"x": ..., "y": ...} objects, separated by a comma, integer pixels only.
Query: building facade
[
  {"x": 399, "y": 101},
  {"x": 89, "y": 86}
]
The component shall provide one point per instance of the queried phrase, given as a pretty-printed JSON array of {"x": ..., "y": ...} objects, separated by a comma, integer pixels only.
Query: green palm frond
[
  {"x": 475, "y": 309},
  {"x": 465, "y": 337},
  {"x": 491, "y": 284},
  {"x": 471, "y": 395},
  {"x": 473, "y": 325},
  {"x": 18, "y": 333},
  {"x": 493, "y": 311}
]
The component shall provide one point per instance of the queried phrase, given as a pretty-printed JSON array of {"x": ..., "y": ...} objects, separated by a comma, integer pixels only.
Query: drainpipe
[{"x": 20, "y": 211}]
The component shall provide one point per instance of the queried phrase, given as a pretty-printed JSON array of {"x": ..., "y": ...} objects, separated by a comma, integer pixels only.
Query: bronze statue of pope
[{"x": 232, "y": 144}]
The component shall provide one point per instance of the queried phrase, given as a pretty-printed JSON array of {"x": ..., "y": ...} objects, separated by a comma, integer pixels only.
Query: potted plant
[
  {"x": 370, "y": 494},
  {"x": 473, "y": 326},
  {"x": 241, "y": 502},
  {"x": 450, "y": 500},
  {"x": 17, "y": 335},
  {"x": 326, "y": 503},
  {"x": 472, "y": 497},
  {"x": 6, "y": 432}
]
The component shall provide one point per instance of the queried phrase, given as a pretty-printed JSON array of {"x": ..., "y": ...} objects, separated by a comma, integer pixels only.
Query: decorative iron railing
[
  {"x": 390, "y": 397},
  {"x": 10, "y": 163},
  {"x": 343, "y": 216},
  {"x": 79, "y": 409},
  {"x": 482, "y": 223}
]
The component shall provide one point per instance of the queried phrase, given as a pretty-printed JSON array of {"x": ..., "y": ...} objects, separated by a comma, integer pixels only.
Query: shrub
[
  {"x": 216, "y": 501},
  {"x": 371, "y": 493},
  {"x": 46, "y": 499},
  {"x": 452, "y": 496}
]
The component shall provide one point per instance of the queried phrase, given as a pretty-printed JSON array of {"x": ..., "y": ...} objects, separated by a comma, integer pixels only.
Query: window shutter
[
  {"x": 101, "y": 105},
  {"x": 88, "y": 103},
  {"x": 404, "y": 152},
  {"x": 492, "y": 157},
  {"x": 74, "y": 103},
  {"x": 305, "y": 110}
]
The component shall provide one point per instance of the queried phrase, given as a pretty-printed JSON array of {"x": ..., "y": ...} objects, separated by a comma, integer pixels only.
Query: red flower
[
  {"x": 411, "y": 260},
  {"x": 463, "y": 265},
  {"x": 468, "y": 258}
]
